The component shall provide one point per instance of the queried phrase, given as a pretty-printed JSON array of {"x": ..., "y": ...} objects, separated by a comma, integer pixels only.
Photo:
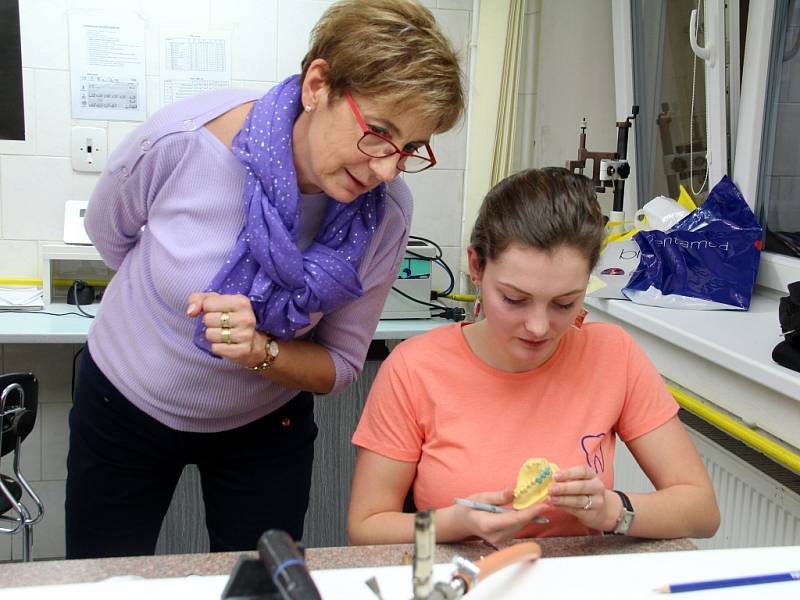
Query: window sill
[
  {"x": 777, "y": 271},
  {"x": 724, "y": 357}
]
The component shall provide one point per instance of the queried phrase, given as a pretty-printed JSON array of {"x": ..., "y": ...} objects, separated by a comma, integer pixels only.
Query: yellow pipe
[
  {"x": 461, "y": 297},
  {"x": 20, "y": 281},
  {"x": 776, "y": 452},
  {"x": 59, "y": 282},
  {"x": 92, "y": 282}
]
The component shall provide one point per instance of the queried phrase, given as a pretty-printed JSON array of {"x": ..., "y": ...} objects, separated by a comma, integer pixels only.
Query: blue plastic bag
[{"x": 707, "y": 261}]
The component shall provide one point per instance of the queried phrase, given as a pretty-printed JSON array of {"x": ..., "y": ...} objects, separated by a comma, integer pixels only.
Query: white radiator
[{"x": 756, "y": 510}]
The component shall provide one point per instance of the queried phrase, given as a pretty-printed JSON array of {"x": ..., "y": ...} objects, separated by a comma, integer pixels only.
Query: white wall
[
  {"x": 525, "y": 134},
  {"x": 568, "y": 74},
  {"x": 269, "y": 38}
]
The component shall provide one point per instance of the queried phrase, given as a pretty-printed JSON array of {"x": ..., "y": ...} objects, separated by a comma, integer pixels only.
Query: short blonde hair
[{"x": 393, "y": 52}]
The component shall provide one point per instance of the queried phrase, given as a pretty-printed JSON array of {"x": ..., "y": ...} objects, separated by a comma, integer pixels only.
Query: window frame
[
  {"x": 714, "y": 19},
  {"x": 776, "y": 271}
]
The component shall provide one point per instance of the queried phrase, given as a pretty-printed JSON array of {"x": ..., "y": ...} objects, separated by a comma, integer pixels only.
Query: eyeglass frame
[{"x": 367, "y": 131}]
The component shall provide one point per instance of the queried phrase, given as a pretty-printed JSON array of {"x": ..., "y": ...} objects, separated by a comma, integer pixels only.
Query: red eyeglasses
[{"x": 378, "y": 146}]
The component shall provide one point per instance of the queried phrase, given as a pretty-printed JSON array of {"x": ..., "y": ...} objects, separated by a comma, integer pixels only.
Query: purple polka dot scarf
[{"x": 285, "y": 284}]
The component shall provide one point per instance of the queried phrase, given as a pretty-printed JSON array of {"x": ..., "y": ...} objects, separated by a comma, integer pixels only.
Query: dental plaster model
[{"x": 533, "y": 481}]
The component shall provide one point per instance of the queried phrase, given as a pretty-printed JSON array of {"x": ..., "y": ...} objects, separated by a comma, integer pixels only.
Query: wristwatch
[
  {"x": 271, "y": 350},
  {"x": 626, "y": 517}
]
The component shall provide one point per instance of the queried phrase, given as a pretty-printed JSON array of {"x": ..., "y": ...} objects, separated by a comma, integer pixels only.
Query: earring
[
  {"x": 579, "y": 319},
  {"x": 307, "y": 108}
]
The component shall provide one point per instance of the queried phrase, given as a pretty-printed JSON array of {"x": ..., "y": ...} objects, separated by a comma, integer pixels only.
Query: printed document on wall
[
  {"x": 107, "y": 66},
  {"x": 193, "y": 62}
]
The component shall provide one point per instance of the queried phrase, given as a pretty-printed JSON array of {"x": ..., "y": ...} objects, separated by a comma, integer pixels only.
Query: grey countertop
[{"x": 179, "y": 565}]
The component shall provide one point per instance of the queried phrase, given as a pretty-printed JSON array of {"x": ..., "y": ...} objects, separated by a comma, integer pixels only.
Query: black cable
[
  {"x": 454, "y": 314},
  {"x": 427, "y": 241},
  {"x": 417, "y": 300},
  {"x": 452, "y": 285},
  {"x": 77, "y": 302},
  {"x": 44, "y": 312},
  {"x": 83, "y": 312}
]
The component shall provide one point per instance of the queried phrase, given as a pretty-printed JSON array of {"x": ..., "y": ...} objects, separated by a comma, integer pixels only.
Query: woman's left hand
[
  {"x": 580, "y": 492},
  {"x": 230, "y": 326}
]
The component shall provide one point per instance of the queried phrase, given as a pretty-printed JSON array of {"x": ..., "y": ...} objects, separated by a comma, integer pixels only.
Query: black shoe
[{"x": 787, "y": 353}]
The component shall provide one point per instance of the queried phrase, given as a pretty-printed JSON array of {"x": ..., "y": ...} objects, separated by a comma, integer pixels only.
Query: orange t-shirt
[{"x": 469, "y": 427}]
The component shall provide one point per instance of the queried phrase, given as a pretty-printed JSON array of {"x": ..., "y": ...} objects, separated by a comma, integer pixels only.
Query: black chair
[{"x": 18, "y": 407}]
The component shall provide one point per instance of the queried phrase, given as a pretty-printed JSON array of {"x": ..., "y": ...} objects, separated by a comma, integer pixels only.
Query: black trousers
[{"x": 123, "y": 467}]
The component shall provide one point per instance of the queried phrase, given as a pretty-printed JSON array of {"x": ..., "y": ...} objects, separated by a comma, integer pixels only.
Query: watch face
[{"x": 626, "y": 522}]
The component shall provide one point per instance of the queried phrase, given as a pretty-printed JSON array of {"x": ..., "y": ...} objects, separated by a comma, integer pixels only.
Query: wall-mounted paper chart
[
  {"x": 192, "y": 62},
  {"x": 107, "y": 68}
]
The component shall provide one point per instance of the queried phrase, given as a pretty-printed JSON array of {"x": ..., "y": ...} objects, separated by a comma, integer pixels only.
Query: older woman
[{"x": 255, "y": 240}]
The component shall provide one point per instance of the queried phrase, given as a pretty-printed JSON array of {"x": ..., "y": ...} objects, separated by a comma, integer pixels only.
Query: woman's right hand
[{"x": 494, "y": 528}]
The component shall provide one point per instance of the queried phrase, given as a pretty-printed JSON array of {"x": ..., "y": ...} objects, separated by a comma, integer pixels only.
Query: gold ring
[
  {"x": 588, "y": 504},
  {"x": 225, "y": 320},
  {"x": 226, "y": 335}
]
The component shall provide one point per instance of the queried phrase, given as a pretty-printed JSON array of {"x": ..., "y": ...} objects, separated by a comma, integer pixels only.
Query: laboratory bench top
[
  {"x": 52, "y": 572},
  {"x": 59, "y": 323}
]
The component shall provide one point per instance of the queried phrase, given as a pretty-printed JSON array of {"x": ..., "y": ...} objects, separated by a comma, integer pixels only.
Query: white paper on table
[
  {"x": 599, "y": 577},
  {"x": 21, "y": 298}
]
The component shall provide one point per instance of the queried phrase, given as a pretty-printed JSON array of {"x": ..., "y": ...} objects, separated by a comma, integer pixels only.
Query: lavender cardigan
[{"x": 165, "y": 214}]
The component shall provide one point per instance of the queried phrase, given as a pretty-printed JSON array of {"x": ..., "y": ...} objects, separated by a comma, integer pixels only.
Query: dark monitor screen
[{"x": 12, "y": 114}]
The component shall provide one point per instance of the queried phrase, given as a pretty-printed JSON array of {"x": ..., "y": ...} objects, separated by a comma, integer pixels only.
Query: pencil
[
  {"x": 676, "y": 588},
  {"x": 482, "y": 506},
  {"x": 493, "y": 508}
]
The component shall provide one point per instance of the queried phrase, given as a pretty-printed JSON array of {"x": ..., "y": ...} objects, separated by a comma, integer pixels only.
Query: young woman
[
  {"x": 457, "y": 411},
  {"x": 255, "y": 238}
]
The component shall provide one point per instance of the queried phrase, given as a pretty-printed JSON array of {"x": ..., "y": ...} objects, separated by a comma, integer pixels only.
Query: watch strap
[
  {"x": 626, "y": 502},
  {"x": 625, "y": 519},
  {"x": 269, "y": 357}
]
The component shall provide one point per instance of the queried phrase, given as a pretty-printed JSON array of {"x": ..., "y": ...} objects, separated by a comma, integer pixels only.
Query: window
[
  {"x": 671, "y": 129},
  {"x": 682, "y": 134},
  {"x": 778, "y": 200},
  {"x": 766, "y": 166},
  {"x": 755, "y": 128}
]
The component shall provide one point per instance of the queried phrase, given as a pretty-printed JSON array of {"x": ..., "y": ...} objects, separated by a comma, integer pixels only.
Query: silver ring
[
  {"x": 225, "y": 320},
  {"x": 588, "y": 504},
  {"x": 226, "y": 335}
]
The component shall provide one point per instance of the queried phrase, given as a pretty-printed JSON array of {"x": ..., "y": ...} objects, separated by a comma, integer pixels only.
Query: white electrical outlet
[{"x": 89, "y": 149}]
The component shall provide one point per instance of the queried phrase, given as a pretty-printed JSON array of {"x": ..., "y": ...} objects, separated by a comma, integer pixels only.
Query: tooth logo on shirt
[{"x": 592, "y": 447}]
